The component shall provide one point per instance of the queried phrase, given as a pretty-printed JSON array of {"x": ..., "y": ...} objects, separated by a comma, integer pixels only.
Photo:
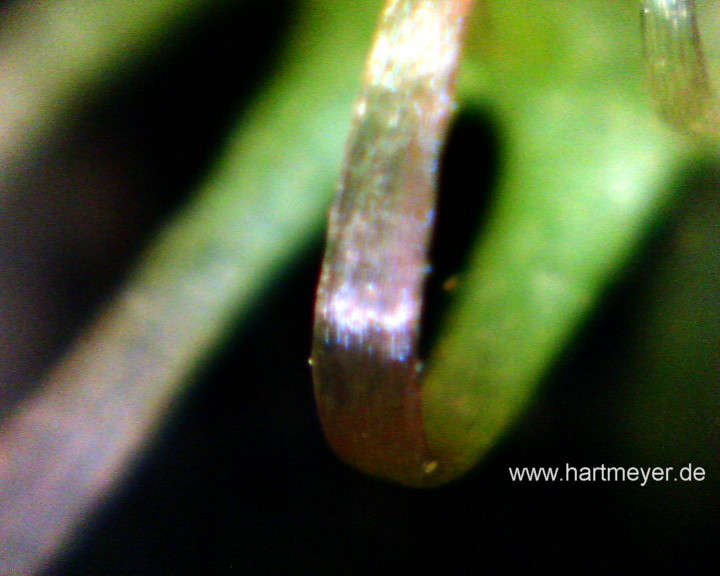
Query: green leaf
[{"x": 585, "y": 171}]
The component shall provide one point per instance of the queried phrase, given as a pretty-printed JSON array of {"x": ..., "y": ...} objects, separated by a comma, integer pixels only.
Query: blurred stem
[{"x": 66, "y": 446}]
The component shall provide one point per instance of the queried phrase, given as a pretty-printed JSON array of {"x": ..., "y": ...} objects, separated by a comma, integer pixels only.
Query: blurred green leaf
[{"x": 586, "y": 168}]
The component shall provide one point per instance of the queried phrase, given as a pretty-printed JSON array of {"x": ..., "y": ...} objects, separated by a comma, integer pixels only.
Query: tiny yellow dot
[{"x": 451, "y": 284}]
